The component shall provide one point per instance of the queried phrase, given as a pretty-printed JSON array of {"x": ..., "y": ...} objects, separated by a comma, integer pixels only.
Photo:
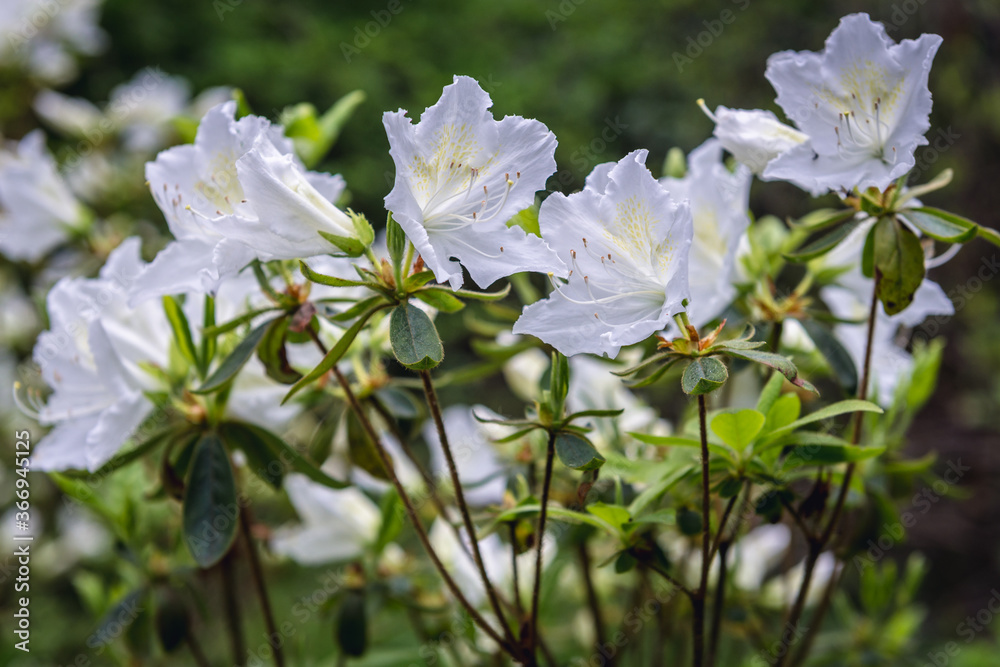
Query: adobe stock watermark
[
  {"x": 589, "y": 154},
  {"x": 562, "y": 12},
  {"x": 697, "y": 44},
  {"x": 960, "y": 295},
  {"x": 363, "y": 35},
  {"x": 967, "y": 630},
  {"x": 901, "y": 13}
]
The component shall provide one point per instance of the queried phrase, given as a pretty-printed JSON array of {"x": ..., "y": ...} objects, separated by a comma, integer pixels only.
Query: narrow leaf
[
  {"x": 232, "y": 364},
  {"x": 211, "y": 509}
]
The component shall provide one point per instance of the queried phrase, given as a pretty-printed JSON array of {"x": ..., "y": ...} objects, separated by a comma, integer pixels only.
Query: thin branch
[
  {"x": 231, "y": 605},
  {"x": 418, "y": 526},
  {"x": 718, "y": 604},
  {"x": 513, "y": 568},
  {"x": 817, "y": 545},
  {"x": 698, "y": 601},
  {"x": 540, "y": 537},
  {"x": 196, "y": 652},
  {"x": 592, "y": 599},
  {"x": 463, "y": 506},
  {"x": 257, "y": 574}
]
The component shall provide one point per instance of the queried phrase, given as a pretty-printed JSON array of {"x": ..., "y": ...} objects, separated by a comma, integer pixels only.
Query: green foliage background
[{"x": 588, "y": 67}]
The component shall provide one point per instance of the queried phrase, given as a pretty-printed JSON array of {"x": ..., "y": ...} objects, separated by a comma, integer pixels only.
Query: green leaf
[
  {"x": 678, "y": 441},
  {"x": 898, "y": 264},
  {"x": 287, "y": 454},
  {"x": 991, "y": 235},
  {"x": 272, "y": 353},
  {"x": 336, "y": 353},
  {"x": 703, "y": 375},
  {"x": 483, "y": 296},
  {"x": 262, "y": 459},
  {"x": 395, "y": 241},
  {"x": 441, "y": 298},
  {"x": 823, "y": 218},
  {"x": 352, "y": 623},
  {"x": 738, "y": 429},
  {"x": 559, "y": 513},
  {"x": 182, "y": 331},
  {"x": 947, "y": 230},
  {"x": 770, "y": 393},
  {"x": 577, "y": 452},
  {"x": 868, "y": 255},
  {"x": 391, "y": 526},
  {"x": 527, "y": 220},
  {"x": 349, "y": 245},
  {"x": 783, "y": 412},
  {"x": 331, "y": 281},
  {"x": 616, "y": 515},
  {"x": 689, "y": 521},
  {"x": 235, "y": 323},
  {"x": 833, "y": 351},
  {"x": 834, "y": 410},
  {"x": 675, "y": 163},
  {"x": 211, "y": 509},
  {"x": 825, "y": 243},
  {"x": 332, "y": 122},
  {"x": 779, "y": 363},
  {"x": 414, "y": 339},
  {"x": 820, "y": 455},
  {"x": 232, "y": 364}
]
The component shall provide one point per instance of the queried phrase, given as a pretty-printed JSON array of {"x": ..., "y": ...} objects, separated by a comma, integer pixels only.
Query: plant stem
[
  {"x": 592, "y": 599},
  {"x": 550, "y": 451},
  {"x": 234, "y": 623},
  {"x": 257, "y": 574},
  {"x": 718, "y": 603},
  {"x": 817, "y": 544},
  {"x": 435, "y": 407},
  {"x": 418, "y": 525},
  {"x": 513, "y": 568},
  {"x": 817, "y": 618},
  {"x": 698, "y": 600}
]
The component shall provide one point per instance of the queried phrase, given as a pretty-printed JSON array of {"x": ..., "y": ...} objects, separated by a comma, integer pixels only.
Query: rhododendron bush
[{"x": 282, "y": 348}]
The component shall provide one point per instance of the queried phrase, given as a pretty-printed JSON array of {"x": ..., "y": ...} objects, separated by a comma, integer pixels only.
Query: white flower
[
  {"x": 757, "y": 553},
  {"x": 336, "y": 524},
  {"x": 91, "y": 357},
  {"x": 483, "y": 478},
  {"x": 37, "y": 209},
  {"x": 460, "y": 176},
  {"x": 237, "y": 194},
  {"x": 41, "y": 36},
  {"x": 753, "y": 136},
  {"x": 719, "y": 201},
  {"x": 863, "y": 101},
  {"x": 141, "y": 109},
  {"x": 627, "y": 242}
]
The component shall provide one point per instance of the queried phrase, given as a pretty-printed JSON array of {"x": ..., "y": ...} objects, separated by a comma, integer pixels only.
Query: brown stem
[
  {"x": 540, "y": 537},
  {"x": 418, "y": 525},
  {"x": 592, "y": 599},
  {"x": 817, "y": 618},
  {"x": 698, "y": 601},
  {"x": 463, "y": 506},
  {"x": 257, "y": 574},
  {"x": 230, "y": 600},
  {"x": 816, "y": 545},
  {"x": 718, "y": 603},
  {"x": 722, "y": 526}
]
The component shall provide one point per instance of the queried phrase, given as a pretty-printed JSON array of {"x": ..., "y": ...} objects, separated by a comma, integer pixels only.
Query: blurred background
[{"x": 608, "y": 78}]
